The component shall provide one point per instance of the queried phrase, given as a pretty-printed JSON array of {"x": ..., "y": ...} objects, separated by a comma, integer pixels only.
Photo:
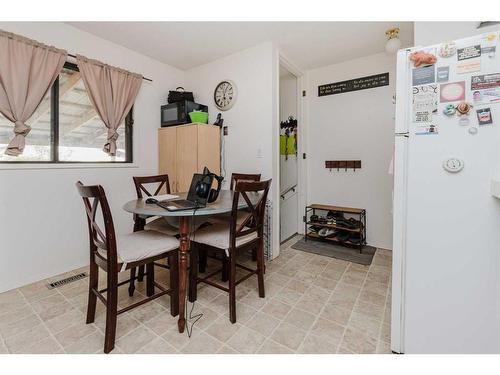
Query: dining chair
[
  {"x": 203, "y": 254},
  {"x": 143, "y": 185},
  {"x": 117, "y": 253},
  {"x": 231, "y": 238},
  {"x": 243, "y": 176}
]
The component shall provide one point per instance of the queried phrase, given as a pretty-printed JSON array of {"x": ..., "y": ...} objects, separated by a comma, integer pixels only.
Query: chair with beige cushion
[
  {"x": 233, "y": 237},
  {"x": 224, "y": 218},
  {"x": 143, "y": 186},
  {"x": 118, "y": 253}
]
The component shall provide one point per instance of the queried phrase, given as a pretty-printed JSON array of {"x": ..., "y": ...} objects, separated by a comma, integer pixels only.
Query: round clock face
[{"x": 225, "y": 95}]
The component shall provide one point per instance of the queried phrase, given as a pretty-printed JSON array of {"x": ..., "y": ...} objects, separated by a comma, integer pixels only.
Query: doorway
[{"x": 288, "y": 150}]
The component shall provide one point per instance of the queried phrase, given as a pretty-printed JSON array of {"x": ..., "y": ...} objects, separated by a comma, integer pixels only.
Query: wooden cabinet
[{"x": 187, "y": 149}]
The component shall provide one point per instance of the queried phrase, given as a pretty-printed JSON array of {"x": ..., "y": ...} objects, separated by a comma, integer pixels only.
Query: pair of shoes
[
  {"x": 314, "y": 228},
  {"x": 327, "y": 232},
  {"x": 343, "y": 235},
  {"x": 348, "y": 223},
  {"x": 335, "y": 214},
  {"x": 355, "y": 238}
]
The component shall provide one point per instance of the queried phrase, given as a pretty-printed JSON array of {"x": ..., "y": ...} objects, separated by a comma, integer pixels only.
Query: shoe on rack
[
  {"x": 343, "y": 236},
  {"x": 355, "y": 238}
]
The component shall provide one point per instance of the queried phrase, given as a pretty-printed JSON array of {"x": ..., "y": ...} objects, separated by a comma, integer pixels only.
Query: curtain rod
[{"x": 144, "y": 78}]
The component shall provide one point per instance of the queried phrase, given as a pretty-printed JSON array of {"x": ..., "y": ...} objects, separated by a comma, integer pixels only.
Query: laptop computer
[{"x": 192, "y": 201}]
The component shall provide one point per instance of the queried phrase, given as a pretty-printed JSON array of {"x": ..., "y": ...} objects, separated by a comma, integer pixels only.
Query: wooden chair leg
[
  {"x": 193, "y": 272},
  {"x": 150, "y": 279},
  {"x": 232, "y": 287},
  {"x": 93, "y": 284},
  {"x": 111, "y": 312},
  {"x": 131, "y": 287},
  {"x": 173, "y": 261},
  {"x": 254, "y": 255},
  {"x": 140, "y": 276},
  {"x": 202, "y": 260},
  {"x": 225, "y": 268},
  {"x": 260, "y": 269}
]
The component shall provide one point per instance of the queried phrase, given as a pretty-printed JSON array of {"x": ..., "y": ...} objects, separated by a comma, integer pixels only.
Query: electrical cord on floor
[
  {"x": 191, "y": 317},
  {"x": 223, "y": 154}
]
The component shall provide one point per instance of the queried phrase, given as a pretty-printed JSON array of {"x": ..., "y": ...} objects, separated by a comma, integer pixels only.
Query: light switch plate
[{"x": 259, "y": 153}]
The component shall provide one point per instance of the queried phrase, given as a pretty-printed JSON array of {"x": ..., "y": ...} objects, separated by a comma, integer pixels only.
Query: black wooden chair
[
  {"x": 232, "y": 237},
  {"x": 243, "y": 176},
  {"x": 116, "y": 254},
  {"x": 203, "y": 254},
  {"x": 159, "y": 224}
]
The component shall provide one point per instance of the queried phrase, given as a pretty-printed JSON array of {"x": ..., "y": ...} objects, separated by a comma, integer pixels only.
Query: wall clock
[{"x": 225, "y": 95}]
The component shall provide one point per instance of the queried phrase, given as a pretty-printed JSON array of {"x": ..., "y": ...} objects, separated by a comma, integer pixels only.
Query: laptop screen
[{"x": 192, "y": 196}]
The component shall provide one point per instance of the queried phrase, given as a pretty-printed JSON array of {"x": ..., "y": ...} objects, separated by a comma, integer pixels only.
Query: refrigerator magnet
[
  {"x": 424, "y": 75},
  {"x": 489, "y": 51},
  {"x": 447, "y": 49},
  {"x": 449, "y": 110},
  {"x": 452, "y": 92},
  {"x": 463, "y": 121},
  {"x": 463, "y": 108},
  {"x": 420, "y": 58},
  {"x": 484, "y": 116},
  {"x": 427, "y": 130},
  {"x": 473, "y": 130},
  {"x": 443, "y": 73}
]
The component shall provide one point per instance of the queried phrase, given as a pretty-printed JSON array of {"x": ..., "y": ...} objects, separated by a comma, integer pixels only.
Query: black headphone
[{"x": 204, "y": 189}]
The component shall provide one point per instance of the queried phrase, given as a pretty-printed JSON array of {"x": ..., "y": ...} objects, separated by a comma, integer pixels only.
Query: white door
[
  {"x": 288, "y": 163},
  {"x": 288, "y": 214}
]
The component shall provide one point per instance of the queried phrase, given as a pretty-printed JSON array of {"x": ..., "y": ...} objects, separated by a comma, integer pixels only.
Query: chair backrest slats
[
  {"x": 243, "y": 176},
  {"x": 94, "y": 198},
  {"x": 254, "y": 221},
  {"x": 162, "y": 180}
]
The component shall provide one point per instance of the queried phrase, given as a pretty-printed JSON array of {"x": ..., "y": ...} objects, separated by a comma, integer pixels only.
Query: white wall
[
  {"x": 356, "y": 125},
  {"x": 42, "y": 225},
  {"x": 250, "y": 143},
  {"x": 288, "y": 96},
  {"x": 436, "y": 32}
]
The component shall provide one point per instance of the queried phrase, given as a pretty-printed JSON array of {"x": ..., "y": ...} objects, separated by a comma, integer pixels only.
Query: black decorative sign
[{"x": 362, "y": 83}]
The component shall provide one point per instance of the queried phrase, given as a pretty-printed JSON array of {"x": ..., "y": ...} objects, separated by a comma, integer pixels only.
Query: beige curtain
[
  {"x": 112, "y": 92},
  {"x": 27, "y": 71}
]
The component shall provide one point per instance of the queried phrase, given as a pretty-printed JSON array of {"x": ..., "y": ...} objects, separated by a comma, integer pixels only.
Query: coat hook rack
[{"x": 343, "y": 164}]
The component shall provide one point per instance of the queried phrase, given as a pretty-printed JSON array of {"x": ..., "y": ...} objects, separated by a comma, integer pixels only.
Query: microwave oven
[{"x": 177, "y": 113}]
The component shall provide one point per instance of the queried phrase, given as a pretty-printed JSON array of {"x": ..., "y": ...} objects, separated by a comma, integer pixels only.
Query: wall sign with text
[{"x": 363, "y": 83}]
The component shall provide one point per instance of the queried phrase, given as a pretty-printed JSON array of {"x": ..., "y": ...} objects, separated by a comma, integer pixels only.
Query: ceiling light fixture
[{"x": 393, "y": 42}]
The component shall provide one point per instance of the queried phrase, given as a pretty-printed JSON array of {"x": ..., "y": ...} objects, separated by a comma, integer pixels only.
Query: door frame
[
  {"x": 285, "y": 62},
  {"x": 398, "y": 302}
]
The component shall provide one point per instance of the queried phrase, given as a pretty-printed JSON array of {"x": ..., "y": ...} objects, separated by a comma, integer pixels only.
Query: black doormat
[{"x": 336, "y": 251}]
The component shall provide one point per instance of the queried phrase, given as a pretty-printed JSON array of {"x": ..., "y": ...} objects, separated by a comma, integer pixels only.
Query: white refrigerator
[{"x": 446, "y": 254}]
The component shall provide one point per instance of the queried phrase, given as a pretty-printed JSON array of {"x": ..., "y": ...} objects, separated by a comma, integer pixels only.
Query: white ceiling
[{"x": 308, "y": 44}]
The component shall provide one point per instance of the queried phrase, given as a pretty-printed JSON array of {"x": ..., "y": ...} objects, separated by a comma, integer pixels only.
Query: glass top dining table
[{"x": 223, "y": 204}]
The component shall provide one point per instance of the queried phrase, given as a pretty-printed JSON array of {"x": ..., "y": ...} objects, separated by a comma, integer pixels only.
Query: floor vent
[{"x": 67, "y": 280}]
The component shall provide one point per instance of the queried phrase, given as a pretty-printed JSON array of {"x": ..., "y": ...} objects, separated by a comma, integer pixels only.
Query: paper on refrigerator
[{"x": 425, "y": 102}]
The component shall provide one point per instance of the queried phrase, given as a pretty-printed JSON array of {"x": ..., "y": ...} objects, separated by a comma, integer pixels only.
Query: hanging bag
[{"x": 180, "y": 95}]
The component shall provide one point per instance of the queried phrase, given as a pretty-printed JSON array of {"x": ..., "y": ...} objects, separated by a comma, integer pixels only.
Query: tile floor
[{"x": 313, "y": 304}]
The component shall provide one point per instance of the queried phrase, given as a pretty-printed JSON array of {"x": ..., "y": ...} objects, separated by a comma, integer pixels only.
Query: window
[
  {"x": 39, "y": 140},
  {"x": 66, "y": 128}
]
